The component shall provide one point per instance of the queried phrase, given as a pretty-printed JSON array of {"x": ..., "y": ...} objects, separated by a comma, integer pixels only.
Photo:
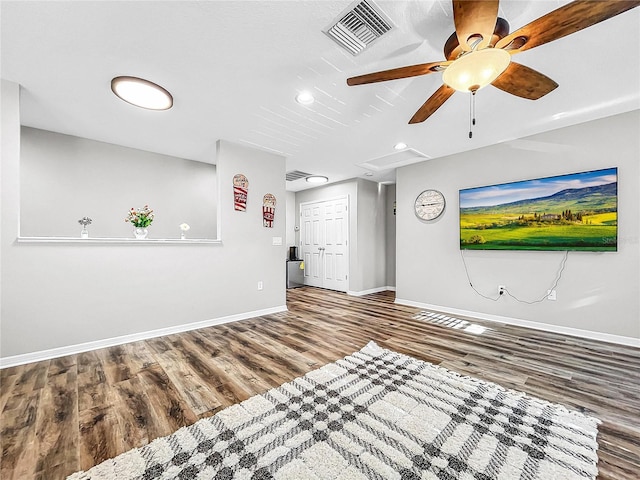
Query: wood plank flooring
[{"x": 70, "y": 413}]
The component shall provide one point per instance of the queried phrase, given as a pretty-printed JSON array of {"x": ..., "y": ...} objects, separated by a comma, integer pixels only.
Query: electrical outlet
[
  {"x": 551, "y": 295},
  {"x": 502, "y": 289},
  {"x": 260, "y": 285}
]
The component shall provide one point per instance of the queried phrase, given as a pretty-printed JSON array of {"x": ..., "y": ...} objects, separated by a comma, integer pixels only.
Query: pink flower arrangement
[{"x": 140, "y": 218}]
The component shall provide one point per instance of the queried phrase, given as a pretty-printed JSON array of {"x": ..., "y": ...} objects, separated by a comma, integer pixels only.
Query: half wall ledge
[{"x": 118, "y": 241}]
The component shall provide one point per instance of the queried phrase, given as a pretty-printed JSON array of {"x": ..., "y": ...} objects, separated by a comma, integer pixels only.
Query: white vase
[
  {"x": 84, "y": 233},
  {"x": 140, "y": 233}
]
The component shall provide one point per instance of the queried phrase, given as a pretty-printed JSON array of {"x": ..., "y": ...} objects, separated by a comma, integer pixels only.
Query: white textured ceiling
[{"x": 234, "y": 68}]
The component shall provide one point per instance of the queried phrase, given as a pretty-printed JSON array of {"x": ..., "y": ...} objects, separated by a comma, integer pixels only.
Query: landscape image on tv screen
[{"x": 578, "y": 211}]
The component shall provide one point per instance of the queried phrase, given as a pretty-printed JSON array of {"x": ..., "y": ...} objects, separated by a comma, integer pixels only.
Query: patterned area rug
[{"x": 376, "y": 414}]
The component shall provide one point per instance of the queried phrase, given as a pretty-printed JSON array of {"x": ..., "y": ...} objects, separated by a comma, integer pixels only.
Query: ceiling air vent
[
  {"x": 394, "y": 160},
  {"x": 357, "y": 27},
  {"x": 296, "y": 175}
]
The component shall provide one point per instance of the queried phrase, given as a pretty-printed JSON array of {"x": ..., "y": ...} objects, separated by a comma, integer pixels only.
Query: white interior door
[{"x": 324, "y": 238}]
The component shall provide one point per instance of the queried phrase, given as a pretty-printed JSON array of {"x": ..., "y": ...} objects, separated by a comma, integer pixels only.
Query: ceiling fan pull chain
[
  {"x": 472, "y": 112},
  {"x": 470, "y": 117},
  {"x": 473, "y": 103}
]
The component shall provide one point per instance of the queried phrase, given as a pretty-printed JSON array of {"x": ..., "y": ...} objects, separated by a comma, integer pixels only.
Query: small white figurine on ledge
[
  {"x": 84, "y": 221},
  {"x": 184, "y": 227}
]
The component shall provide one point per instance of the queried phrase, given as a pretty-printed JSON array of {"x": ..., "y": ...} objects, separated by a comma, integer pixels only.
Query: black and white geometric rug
[{"x": 375, "y": 414}]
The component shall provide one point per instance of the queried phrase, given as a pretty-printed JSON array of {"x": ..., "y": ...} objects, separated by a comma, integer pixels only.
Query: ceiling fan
[{"x": 479, "y": 52}]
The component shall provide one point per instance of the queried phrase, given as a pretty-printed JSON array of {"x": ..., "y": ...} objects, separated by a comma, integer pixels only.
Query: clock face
[{"x": 429, "y": 205}]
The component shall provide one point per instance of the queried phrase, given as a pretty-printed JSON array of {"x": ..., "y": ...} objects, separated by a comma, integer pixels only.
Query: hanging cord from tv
[
  {"x": 563, "y": 263},
  {"x": 471, "y": 283}
]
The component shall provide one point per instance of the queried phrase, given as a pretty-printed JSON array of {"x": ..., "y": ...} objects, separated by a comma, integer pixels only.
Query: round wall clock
[{"x": 429, "y": 205}]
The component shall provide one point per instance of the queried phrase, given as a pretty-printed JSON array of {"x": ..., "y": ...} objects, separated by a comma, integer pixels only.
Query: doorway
[{"x": 324, "y": 243}]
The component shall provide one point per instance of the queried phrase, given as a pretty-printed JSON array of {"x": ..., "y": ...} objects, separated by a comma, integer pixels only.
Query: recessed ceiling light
[
  {"x": 400, "y": 146},
  {"x": 368, "y": 174},
  {"x": 305, "y": 98},
  {"x": 317, "y": 179},
  {"x": 142, "y": 93}
]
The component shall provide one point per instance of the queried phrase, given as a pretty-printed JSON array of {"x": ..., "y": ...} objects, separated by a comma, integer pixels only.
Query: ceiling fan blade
[
  {"x": 397, "y": 73},
  {"x": 524, "y": 82},
  {"x": 564, "y": 21},
  {"x": 473, "y": 17},
  {"x": 434, "y": 103}
]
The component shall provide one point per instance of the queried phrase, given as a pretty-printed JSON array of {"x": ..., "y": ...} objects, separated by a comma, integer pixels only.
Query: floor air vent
[
  {"x": 359, "y": 26},
  {"x": 296, "y": 175}
]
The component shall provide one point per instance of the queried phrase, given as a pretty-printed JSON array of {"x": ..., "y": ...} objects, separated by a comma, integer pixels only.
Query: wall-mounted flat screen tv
[{"x": 578, "y": 211}]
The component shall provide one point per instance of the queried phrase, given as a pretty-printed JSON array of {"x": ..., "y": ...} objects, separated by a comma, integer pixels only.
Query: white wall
[
  {"x": 371, "y": 235},
  {"x": 391, "y": 235},
  {"x": 291, "y": 221},
  {"x": 9, "y": 186},
  {"x": 64, "y": 178},
  {"x": 598, "y": 292},
  {"x": 59, "y": 295}
]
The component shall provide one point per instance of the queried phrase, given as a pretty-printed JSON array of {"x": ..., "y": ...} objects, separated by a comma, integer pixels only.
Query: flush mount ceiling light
[
  {"x": 141, "y": 93},
  {"x": 400, "y": 146},
  {"x": 317, "y": 179},
  {"x": 305, "y": 98},
  {"x": 476, "y": 69}
]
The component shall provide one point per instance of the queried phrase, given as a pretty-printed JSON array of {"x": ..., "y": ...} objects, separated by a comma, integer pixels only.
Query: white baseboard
[
  {"x": 574, "y": 332},
  {"x": 370, "y": 291},
  {"x": 134, "y": 337}
]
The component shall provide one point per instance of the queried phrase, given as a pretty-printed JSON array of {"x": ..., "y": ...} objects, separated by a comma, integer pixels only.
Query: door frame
[{"x": 347, "y": 198}]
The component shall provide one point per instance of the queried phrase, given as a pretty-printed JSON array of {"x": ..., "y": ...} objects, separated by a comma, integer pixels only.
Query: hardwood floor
[{"x": 70, "y": 413}]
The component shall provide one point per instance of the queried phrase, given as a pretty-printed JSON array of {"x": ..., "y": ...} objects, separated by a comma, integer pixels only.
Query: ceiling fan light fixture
[
  {"x": 141, "y": 93},
  {"x": 317, "y": 179},
  {"x": 476, "y": 69}
]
